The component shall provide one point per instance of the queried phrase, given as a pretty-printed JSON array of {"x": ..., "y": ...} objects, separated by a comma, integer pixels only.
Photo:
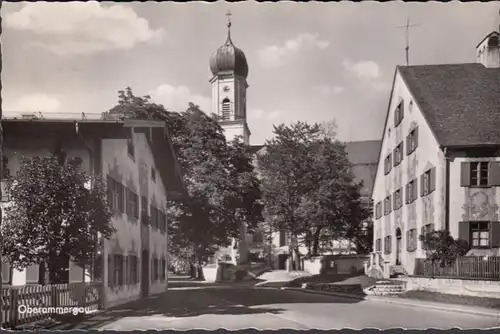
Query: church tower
[{"x": 229, "y": 88}]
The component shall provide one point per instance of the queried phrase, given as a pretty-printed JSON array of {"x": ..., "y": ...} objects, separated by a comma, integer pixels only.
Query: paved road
[{"x": 264, "y": 308}]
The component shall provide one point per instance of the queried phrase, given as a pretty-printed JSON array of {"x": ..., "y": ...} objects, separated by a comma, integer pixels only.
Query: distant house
[
  {"x": 439, "y": 163},
  {"x": 137, "y": 161}
]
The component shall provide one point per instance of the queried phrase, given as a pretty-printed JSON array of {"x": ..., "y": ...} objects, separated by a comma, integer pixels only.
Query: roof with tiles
[{"x": 461, "y": 102}]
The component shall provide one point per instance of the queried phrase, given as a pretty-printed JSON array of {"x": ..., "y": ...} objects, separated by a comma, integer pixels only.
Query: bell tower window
[{"x": 226, "y": 109}]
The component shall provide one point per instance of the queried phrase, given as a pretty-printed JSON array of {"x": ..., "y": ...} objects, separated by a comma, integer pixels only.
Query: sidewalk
[{"x": 410, "y": 302}]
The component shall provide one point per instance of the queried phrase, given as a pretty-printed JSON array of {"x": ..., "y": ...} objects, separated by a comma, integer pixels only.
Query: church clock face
[{"x": 226, "y": 89}]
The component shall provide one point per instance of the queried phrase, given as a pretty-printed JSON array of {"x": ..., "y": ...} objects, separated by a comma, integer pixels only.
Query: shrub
[{"x": 441, "y": 247}]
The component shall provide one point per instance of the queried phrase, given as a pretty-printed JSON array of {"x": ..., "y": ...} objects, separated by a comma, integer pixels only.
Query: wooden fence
[
  {"x": 465, "y": 267},
  {"x": 31, "y": 303}
]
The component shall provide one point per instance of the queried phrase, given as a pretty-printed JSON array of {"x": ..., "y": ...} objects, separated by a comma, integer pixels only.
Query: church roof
[
  {"x": 363, "y": 155},
  {"x": 229, "y": 58},
  {"x": 460, "y": 102}
]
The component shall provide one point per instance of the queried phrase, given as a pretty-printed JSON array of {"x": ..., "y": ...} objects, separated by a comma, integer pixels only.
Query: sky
[{"x": 310, "y": 62}]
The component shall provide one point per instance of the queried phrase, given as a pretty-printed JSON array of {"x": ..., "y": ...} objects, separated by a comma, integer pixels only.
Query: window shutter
[
  {"x": 432, "y": 181},
  {"x": 407, "y": 194},
  {"x": 408, "y": 145},
  {"x": 408, "y": 240},
  {"x": 495, "y": 234},
  {"x": 416, "y": 137},
  {"x": 465, "y": 174},
  {"x": 109, "y": 191},
  {"x": 415, "y": 190},
  {"x": 464, "y": 231},
  {"x": 422, "y": 180},
  {"x": 111, "y": 271},
  {"x": 402, "y": 109},
  {"x": 394, "y": 204},
  {"x": 396, "y": 117},
  {"x": 494, "y": 174}
]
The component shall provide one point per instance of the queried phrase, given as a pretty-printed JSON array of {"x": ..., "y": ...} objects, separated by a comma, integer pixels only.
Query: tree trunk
[
  {"x": 199, "y": 267},
  {"x": 316, "y": 235}
]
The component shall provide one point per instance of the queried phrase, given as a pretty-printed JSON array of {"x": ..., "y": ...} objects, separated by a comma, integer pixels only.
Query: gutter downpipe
[{"x": 447, "y": 189}]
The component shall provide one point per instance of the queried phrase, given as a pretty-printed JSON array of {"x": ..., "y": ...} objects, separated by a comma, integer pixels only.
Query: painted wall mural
[{"x": 480, "y": 204}]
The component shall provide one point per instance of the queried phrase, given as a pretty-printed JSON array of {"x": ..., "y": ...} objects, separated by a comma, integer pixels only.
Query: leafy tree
[
  {"x": 308, "y": 186},
  {"x": 441, "y": 247},
  {"x": 56, "y": 213},
  {"x": 222, "y": 187}
]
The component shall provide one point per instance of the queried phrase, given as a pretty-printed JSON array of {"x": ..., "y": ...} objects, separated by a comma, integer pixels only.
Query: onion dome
[{"x": 228, "y": 58}]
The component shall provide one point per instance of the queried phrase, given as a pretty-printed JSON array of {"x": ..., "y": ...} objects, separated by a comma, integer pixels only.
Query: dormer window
[
  {"x": 398, "y": 114},
  {"x": 226, "y": 109},
  {"x": 412, "y": 141}
]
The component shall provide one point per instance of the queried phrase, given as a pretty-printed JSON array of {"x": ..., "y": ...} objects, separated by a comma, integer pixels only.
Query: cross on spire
[
  {"x": 228, "y": 14},
  {"x": 407, "y": 35}
]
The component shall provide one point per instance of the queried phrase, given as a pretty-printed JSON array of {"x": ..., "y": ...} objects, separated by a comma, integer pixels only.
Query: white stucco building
[
  {"x": 439, "y": 163},
  {"x": 137, "y": 161}
]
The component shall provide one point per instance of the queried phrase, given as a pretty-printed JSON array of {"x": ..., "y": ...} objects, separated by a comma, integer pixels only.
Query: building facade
[
  {"x": 138, "y": 163},
  {"x": 438, "y": 167}
]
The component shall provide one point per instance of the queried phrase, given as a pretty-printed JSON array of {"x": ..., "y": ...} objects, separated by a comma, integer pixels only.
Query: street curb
[{"x": 393, "y": 300}]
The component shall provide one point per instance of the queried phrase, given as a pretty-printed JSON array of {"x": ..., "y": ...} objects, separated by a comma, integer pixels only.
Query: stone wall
[{"x": 478, "y": 288}]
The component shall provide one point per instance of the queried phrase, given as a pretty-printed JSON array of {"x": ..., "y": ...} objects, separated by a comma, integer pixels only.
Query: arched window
[{"x": 226, "y": 109}]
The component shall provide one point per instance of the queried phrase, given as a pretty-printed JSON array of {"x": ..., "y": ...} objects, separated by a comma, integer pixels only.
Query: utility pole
[{"x": 407, "y": 35}]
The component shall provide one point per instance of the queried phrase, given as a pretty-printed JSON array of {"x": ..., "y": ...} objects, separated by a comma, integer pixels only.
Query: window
[
  {"x": 132, "y": 200},
  {"x": 154, "y": 216},
  {"x": 411, "y": 240},
  {"x": 398, "y": 200},
  {"x": 387, "y": 205},
  {"x": 411, "y": 191},
  {"x": 118, "y": 269},
  {"x": 480, "y": 174},
  {"x": 162, "y": 270},
  {"x": 480, "y": 234},
  {"x": 399, "y": 114},
  {"x": 258, "y": 236},
  {"x": 398, "y": 154},
  {"x": 6, "y": 273},
  {"x": 412, "y": 141},
  {"x": 144, "y": 210},
  {"x": 387, "y": 244},
  {"x": 5, "y": 184},
  {"x": 226, "y": 109},
  {"x": 111, "y": 271},
  {"x": 378, "y": 210},
  {"x": 155, "y": 271},
  {"x": 133, "y": 278},
  {"x": 126, "y": 270},
  {"x": 153, "y": 174},
  {"x": 283, "y": 239},
  {"x": 388, "y": 164},
  {"x": 130, "y": 146},
  {"x": 162, "y": 222},
  {"x": 378, "y": 244},
  {"x": 425, "y": 230},
  {"x": 428, "y": 182},
  {"x": 115, "y": 193}
]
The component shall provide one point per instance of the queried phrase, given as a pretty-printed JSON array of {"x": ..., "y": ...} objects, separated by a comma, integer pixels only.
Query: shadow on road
[{"x": 205, "y": 301}]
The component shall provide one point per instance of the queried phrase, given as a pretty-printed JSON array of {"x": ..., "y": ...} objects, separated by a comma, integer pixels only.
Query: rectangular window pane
[
  {"x": 475, "y": 234},
  {"x": 483, "y": 242},
  {"x": 484, "y": 234},
  {"x": 475, "y": 242}
]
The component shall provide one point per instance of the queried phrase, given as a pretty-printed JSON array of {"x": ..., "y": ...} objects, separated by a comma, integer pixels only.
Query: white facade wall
[
  {"x": 425, "y": 210},
  {"x": 135, "y": 173}
]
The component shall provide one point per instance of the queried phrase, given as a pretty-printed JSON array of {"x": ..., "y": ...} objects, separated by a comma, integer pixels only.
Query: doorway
[
  {"x": 398, "y": 246},
  {"x": 282, "y": 261},
  {"x": 145, "y": 273}
]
